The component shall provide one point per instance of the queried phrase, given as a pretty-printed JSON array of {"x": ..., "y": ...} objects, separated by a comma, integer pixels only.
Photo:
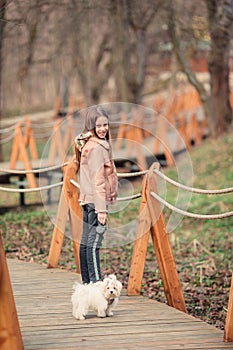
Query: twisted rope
[
  {"x": 6, "y": 139},
  {"x": 41, "y": 170},
  {"x": 192, "y": 215},
  {"x": 9, "y": 128},
  {"x": 134, "y": 196},
  {"x": 137, "y": 173},
  {"x": 191, "y": 189},
  {"x": 26, "y": 190}
]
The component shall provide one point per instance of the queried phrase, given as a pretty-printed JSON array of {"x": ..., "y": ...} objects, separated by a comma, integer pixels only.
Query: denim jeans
[{"x": 90, "y": 245}]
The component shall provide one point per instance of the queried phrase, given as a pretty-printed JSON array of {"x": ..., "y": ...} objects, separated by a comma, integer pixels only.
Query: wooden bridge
[
  {"x": 42, "y": 318},
  {"x": 42, "y": 296},
  {"x": 43, "y": 304}
]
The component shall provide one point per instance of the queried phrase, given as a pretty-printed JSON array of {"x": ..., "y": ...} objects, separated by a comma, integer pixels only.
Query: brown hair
[{"x": 92, "y": 114}]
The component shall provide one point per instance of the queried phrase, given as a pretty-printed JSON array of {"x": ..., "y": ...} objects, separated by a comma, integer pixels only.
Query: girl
[{"x": 98, "y": 188}]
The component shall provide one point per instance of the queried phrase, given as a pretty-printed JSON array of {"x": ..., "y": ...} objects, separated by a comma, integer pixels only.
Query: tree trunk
[
  {"x": 220, "y": 21},
  {"x": 216, "y": 105},
  {"x": 120, "y": 54},
  {"x": 2, "y": 25},
  {"x": 141, "y": 57}
]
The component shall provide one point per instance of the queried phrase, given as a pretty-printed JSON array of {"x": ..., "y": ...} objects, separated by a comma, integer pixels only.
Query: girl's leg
[
  {"x": 83, "y": 247},
  {"x": 93, "y": 246}
]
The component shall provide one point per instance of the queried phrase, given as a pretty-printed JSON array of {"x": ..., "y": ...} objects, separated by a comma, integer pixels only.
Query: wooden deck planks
[{"x": 42, "y": 298}]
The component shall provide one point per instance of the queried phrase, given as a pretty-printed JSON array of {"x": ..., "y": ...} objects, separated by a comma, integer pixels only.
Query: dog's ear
[
  {"x": 119, "y": 286},
  {"x": 106, "y": 281},
  {"x": 112, "y": 277}
]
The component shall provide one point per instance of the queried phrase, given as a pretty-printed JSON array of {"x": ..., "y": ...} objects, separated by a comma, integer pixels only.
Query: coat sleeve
[{"x": 96, "y": 162}]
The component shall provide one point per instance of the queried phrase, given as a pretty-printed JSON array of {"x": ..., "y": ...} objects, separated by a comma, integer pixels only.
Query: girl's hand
[{"x": 103, "y": 218}]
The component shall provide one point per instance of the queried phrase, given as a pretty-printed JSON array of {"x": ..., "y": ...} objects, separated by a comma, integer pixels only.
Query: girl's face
[{"x": 101, "y": 127}]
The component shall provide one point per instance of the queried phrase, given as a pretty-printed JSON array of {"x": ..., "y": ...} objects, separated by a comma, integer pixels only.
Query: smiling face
[{"x": 101, "y": 127}]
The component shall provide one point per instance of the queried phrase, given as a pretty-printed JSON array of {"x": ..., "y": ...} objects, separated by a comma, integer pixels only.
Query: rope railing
[
  {"x": 192, "y": 215},
  {"x": 31, "y": 171},
  {"x": 127, "y": 198},
  {"x": 134, "y": 174},
  {"x": 191, "y": 189},
  {"x": 8, "y": 129},
  {"x": 26, "y": 190},
  {"x": 137, "y": 195},
  {"x": 76, "y": 184},
  {"x": 54, "y": 167},
  {"x": 6, "y": 139}
]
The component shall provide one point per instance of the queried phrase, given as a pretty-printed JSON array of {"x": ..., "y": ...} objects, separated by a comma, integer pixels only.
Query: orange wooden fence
[
  {"x": 68, "y": 208},
  {"x": 151, "y": 220},
  {"x": 20, "y": 152},
  {"x": 228, "y": 333},
  {"x": 10, "y": 335}
]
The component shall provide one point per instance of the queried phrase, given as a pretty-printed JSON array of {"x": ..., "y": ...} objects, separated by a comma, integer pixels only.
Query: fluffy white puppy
[{"x": 101, "y": 297}]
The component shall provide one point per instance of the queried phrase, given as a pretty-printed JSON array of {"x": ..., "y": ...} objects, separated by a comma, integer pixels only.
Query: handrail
[
  {"x": 192, "y": 215},
  {"x": 191, "y": 189}
]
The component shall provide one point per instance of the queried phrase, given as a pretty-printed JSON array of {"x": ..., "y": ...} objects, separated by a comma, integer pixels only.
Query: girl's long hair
[{"x": 92, "y": 114}]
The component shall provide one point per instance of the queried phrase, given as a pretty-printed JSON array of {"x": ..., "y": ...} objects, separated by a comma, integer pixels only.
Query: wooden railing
[
  {"x": 151, "y": 221},
  {"x": 10, "y": 335}
]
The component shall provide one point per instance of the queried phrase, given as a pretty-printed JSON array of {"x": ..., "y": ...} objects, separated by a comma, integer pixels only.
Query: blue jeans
[{"x": 90, "y": 245}]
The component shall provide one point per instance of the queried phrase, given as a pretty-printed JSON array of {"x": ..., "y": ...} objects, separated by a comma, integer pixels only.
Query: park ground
[{"x": 202, "y": 249}]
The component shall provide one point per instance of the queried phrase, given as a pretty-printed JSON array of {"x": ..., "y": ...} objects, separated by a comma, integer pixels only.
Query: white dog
[{"x": 101, "y": 297}]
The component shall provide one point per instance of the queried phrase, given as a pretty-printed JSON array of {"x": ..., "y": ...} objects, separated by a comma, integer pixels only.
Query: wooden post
[
  {"x": 19, "y": 150},
  {"x": 182, "y": 135},
  {"x": 133, "y": 136},
  {"x": 56, "y": 145},
  {"x": 68, "y": 206},
  {"x": 29, "y": 139},
  {"x": 193, "y": 130},
  {"x": 10, "y": 335},
  {"x": 57, "y": 107},
  {"x": 121, "y": 132},
  {"x": 228, "y": 333},
  {"x": 163, "y": 249},
  {"x": 58, "y": 232},
  {"x": 72, "y": 195},
  {"x": 137, "y": 137},
  {"x": 140, "y": 245},
  {"x": 162, "y": 139},
  {"x": 151, "y": 220},
  {"x": 70, "y": 135}
]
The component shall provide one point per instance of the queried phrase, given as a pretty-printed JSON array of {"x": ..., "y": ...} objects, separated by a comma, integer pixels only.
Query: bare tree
[
  {"x": 89, "y": 47},
  {"x": 141, "y": 14},
  {"x": 131, "y": 20},
  {"x": 121, "y": 49},
  {"x": 216, "y": 104},
  {"x": 2, "y": 25},
  {"x": 220, "y": 15}
]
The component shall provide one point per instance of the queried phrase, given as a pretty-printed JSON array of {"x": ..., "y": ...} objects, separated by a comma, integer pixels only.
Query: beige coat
[{"x": 98, "y": 178}]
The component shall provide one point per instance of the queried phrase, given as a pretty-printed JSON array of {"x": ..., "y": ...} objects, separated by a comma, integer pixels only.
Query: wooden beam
[
  {"x": 19, "y": 150},
  {"x": 29, "y": 139},
  {"x": 162, "y": 142},
  {"x": 162, "y": 247},
  {"x": 72, "y": 197},
  {"x": 68, "y": 207},
  {"x": 10, "y": 335},
  {"x": 140, "y": 246},
  {"x": 58, "y": 232},
  {"x": 228, "y": 333},
  {"x": 56, "y": 145}
]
